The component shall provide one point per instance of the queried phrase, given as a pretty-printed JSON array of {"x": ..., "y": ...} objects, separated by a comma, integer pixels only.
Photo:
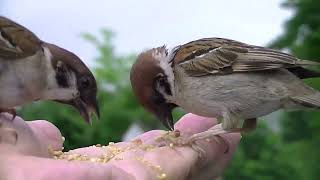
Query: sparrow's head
[
  {"x": 152, "y": 82},
  {"x": 71, "y": 74}
]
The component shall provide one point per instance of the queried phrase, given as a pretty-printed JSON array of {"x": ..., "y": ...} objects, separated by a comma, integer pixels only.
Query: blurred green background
[{"x": 289, "y": 151}]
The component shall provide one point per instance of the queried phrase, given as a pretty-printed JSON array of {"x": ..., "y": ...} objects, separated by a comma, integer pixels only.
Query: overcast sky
[{"x": 141, "y": 24}]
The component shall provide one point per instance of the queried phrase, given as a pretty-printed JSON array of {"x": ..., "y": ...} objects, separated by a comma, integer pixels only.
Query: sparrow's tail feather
[
  {"x": 308, "y": 101},
  {"x": 304, "y": 73},
  {"x": 307, "y": 63}
]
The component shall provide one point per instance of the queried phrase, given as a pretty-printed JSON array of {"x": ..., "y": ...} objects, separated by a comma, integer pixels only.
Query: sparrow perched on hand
[
  {"x": 221, "y": 78},
  {"x": 31, "y": 69}
]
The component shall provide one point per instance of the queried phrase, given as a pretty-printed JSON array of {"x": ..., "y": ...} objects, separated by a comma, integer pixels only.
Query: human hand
[{"x": 24, "y": 154}]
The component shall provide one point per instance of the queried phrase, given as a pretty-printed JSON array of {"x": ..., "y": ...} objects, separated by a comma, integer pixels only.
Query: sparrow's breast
[
  {"x": 21, "y": 80},
  {"x": 247, "y": 95}
]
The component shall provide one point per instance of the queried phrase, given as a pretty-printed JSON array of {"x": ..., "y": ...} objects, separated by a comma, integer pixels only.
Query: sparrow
[
  {"x": 31, "y": 70},
  {"x": 222, "y": 78}
]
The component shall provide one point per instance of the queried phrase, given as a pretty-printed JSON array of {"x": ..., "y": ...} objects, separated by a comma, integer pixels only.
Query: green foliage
[
  {"x": 118, "y": 106},
  {"x": 302, "y": 35}
]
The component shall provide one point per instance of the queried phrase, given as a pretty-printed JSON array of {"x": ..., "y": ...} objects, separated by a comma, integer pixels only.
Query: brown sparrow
[
  {"x": 31, "y": 69},
  {"x": 221, "y": 78}
]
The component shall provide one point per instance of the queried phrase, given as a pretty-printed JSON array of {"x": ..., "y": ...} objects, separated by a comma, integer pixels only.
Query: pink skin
[{"x": 23, "y": 154}]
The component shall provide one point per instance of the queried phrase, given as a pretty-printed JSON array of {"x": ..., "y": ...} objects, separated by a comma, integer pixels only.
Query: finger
[
  {"x": 47, "y": 133},
  {"x": 44, "y": 168},
  {"x": 215, "y": 155},
  {"x": 29, "y": 139},
  {"x": 191, "y": 123},
  {"x": 148, "y": 137},
  {"x": 188, "y": 124},
  {"x": 216, "y": 165}
]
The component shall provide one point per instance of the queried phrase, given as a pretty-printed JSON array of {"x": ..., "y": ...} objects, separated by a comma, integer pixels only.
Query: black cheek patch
[
  {"x": 157, "y": 98},
  {"x": 61, "y": 76},
  {"x": 167, "y": 88},
  {"x": 163, "y": 82}
]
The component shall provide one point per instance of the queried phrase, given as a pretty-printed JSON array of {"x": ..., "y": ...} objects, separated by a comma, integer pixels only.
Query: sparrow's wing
[
  {"x": 216, "y": 56},
  {"x": 16, "y": 41}
]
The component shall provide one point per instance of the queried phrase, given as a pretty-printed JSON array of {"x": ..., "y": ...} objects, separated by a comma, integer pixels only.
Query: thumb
[{"x": 48, "y": 134}]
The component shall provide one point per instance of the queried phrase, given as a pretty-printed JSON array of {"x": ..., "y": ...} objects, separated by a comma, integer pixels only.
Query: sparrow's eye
[{"x": 84, "y": 82}]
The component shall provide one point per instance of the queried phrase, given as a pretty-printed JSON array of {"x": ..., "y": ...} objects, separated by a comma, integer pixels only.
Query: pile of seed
[{"x": 112, "y": 152}]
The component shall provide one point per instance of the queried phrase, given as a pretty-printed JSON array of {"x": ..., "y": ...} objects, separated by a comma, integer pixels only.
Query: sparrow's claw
[
  {"x": 173, "y": 138},
  {"x": 198, "y": 149},
  {"x": 10, "y": 111},
  {"x": 169, "y": 138}
]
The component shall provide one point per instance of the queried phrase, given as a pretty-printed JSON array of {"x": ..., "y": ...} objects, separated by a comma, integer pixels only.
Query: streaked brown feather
[
  {"x": 20, "y": 42},
  {"x": 217, "y": 55}
]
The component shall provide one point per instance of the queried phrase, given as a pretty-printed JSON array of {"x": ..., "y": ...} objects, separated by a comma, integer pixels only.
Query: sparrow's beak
[
  {"x": 165, "y": 115},
  {"x": 86, "y": 106}
]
